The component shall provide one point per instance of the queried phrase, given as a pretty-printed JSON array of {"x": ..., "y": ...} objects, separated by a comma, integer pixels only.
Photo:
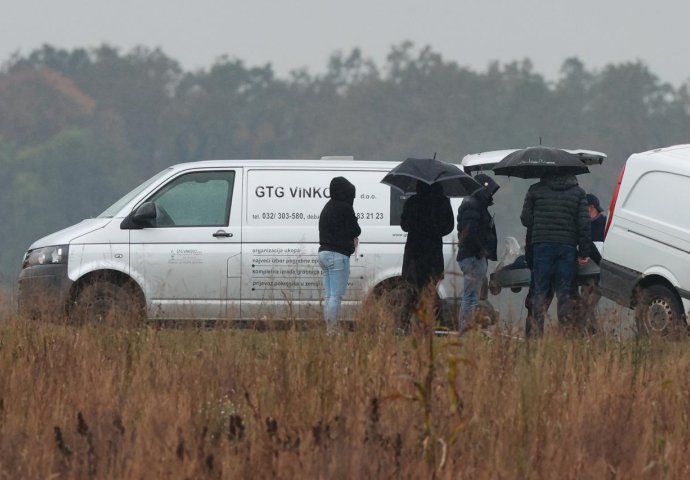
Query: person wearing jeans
[
  {"x": 554, "y": 268},
  {"x": 336, "y": 272},
  {"x": 555, "y": 212},
  {"x": 477, "y": 244},
  {"x": 474, "y": 274},
  {"x": 338, "y": 237}
]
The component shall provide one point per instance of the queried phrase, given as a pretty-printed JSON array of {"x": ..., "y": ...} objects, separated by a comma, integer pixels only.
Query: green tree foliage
[
  {"x": 38, "y": 103},
  {"x": 79, "y": 127},
  {"x": 132, "y": 90},
  {"x": 74, "y": 175},
  {"x": 228, "y": 111}
]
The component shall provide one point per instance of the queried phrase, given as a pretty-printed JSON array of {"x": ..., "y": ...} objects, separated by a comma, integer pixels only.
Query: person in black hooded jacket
[
  {"x": 338, "y": 233},
  {"x": 427, "y": 217},
  {"x": 477, "y": 244}
]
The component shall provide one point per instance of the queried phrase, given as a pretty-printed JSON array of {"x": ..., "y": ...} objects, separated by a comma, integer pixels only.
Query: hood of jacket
[
  {"x": 561, "y": 182},
  {"x": 483, "y": 196},
  {"x": 341, "y": 189},
  {"x": 487, "y": 182},
  {"x": 489, "y": 187}
]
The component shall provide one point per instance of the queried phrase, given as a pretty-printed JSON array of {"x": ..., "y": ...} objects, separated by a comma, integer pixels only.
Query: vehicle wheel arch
[
  {"x": 649, "y": 280},
  {"x": 386, "y": 284},
  {"x": 113, "y": 276}
]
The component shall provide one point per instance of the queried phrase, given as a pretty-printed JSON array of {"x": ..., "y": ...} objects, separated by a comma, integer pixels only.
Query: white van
[
  {"x": 226, "y": 239},
  {"x": 646, "y": 259}
]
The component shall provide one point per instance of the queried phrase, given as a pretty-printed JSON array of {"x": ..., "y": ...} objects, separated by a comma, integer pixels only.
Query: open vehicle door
[{"x": 484, "y": 161}]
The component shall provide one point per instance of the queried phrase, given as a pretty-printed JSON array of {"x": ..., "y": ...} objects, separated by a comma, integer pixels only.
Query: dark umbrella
[
  {"x": 454, "y": 181},
  {"x": 535, "y": 162}
]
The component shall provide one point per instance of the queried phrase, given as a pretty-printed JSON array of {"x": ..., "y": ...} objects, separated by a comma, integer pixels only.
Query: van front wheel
[
  {"x": 658, "y": 312},
  {"x": 104, "y": 302}
]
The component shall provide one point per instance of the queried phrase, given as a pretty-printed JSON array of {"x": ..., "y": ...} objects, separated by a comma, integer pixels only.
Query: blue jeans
[
  {"x": 336, "y": 272},
  {"x": 474, "y": 275},
  {"x": 553, "y": 267}
]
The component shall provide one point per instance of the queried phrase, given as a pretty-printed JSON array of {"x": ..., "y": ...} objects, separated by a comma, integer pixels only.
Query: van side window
[
  {"x": 397, "y": 202},
  {"x": 200, "y": 199}
]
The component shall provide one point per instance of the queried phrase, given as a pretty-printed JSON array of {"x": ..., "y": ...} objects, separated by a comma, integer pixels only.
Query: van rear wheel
[
  {"x": 106, "y": 303},
  {"x": 396, "y": 296},
  {"x": 658, "y": 312}
]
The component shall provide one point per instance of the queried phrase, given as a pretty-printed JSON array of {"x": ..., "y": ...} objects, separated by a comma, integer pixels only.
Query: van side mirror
[{"x": 141, "y": 217}]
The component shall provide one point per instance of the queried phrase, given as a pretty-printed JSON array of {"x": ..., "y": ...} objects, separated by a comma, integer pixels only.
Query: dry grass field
[{"x": 188, "y": 403}]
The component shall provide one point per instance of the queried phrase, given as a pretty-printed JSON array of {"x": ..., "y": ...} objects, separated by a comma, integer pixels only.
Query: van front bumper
[{"x": 43, "y": 291}]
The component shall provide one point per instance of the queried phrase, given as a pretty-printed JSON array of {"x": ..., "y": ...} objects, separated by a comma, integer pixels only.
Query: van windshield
[{"x": 117, "y": 206}]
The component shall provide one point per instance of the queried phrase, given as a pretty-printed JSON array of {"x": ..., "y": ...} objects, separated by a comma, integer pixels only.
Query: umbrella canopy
[
  {"x": 454, "y": 181},
  {"x": 535, "y": 162}
]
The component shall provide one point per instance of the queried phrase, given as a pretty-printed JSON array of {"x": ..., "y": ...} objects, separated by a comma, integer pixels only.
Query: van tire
[
  {"x": 658, "y": 312},
  {"x": 104, "y": 302},
  {"x": 394, "y": 296}
]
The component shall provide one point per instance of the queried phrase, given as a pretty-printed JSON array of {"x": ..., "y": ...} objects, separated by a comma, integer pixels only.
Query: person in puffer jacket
[
  {"x": 556, "y": 213},
  {"x": 338, "y": 233}
]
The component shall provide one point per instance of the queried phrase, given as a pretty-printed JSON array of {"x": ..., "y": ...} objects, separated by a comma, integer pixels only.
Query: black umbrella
[
  {"x": 535, "y": 162},
  {"x": 454, "y": 181}
]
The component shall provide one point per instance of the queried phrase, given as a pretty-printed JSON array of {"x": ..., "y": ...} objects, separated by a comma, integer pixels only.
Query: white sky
[{"x": 292, "y": 34}]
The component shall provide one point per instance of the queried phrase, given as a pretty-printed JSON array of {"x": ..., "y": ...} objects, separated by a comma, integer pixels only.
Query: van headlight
[{"x": 46, "y": 256}]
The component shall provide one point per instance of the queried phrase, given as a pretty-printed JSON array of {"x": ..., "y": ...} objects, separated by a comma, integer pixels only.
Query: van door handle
[{"x": 222, "y": 233}]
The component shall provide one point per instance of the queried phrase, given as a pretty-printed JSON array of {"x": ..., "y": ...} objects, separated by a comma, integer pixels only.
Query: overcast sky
[{"x": 293, "y": 34}]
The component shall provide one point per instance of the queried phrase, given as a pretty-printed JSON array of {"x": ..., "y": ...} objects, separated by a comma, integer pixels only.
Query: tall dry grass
[{"x": 105, "y": 402}]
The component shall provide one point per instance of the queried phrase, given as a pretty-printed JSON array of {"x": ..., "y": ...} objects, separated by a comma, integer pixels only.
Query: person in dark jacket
[
  {"x": 597, "y": 217},
  {"x": 555, "y": 211},
  {"x": 427, "y": 217},
  {"x": 587, "y": 298},
  {"x": 338, "y": 236},
  {"x": 477, "y": 244},
  {"x": 589, "y": 294}
]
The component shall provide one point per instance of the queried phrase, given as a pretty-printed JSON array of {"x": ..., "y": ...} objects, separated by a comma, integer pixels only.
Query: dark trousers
[
  {"x": 588, "y": 299},
  {"x": 583, "y": 307},
  {"x": 531, "y": 329},
  {"x": 553, "y": 269}
]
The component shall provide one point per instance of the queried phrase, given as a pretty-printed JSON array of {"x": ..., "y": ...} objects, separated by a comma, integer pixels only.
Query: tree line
[{"x": 80, "y": 127}]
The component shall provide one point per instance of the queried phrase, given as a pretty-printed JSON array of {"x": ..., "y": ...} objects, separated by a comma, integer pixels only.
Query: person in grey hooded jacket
[{"x": 555, "y": 211}]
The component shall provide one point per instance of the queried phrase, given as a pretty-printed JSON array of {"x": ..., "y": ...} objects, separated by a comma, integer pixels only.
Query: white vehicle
[
  {"x": 226, "y": 239},
  {"x": 646, "y": 259}
]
